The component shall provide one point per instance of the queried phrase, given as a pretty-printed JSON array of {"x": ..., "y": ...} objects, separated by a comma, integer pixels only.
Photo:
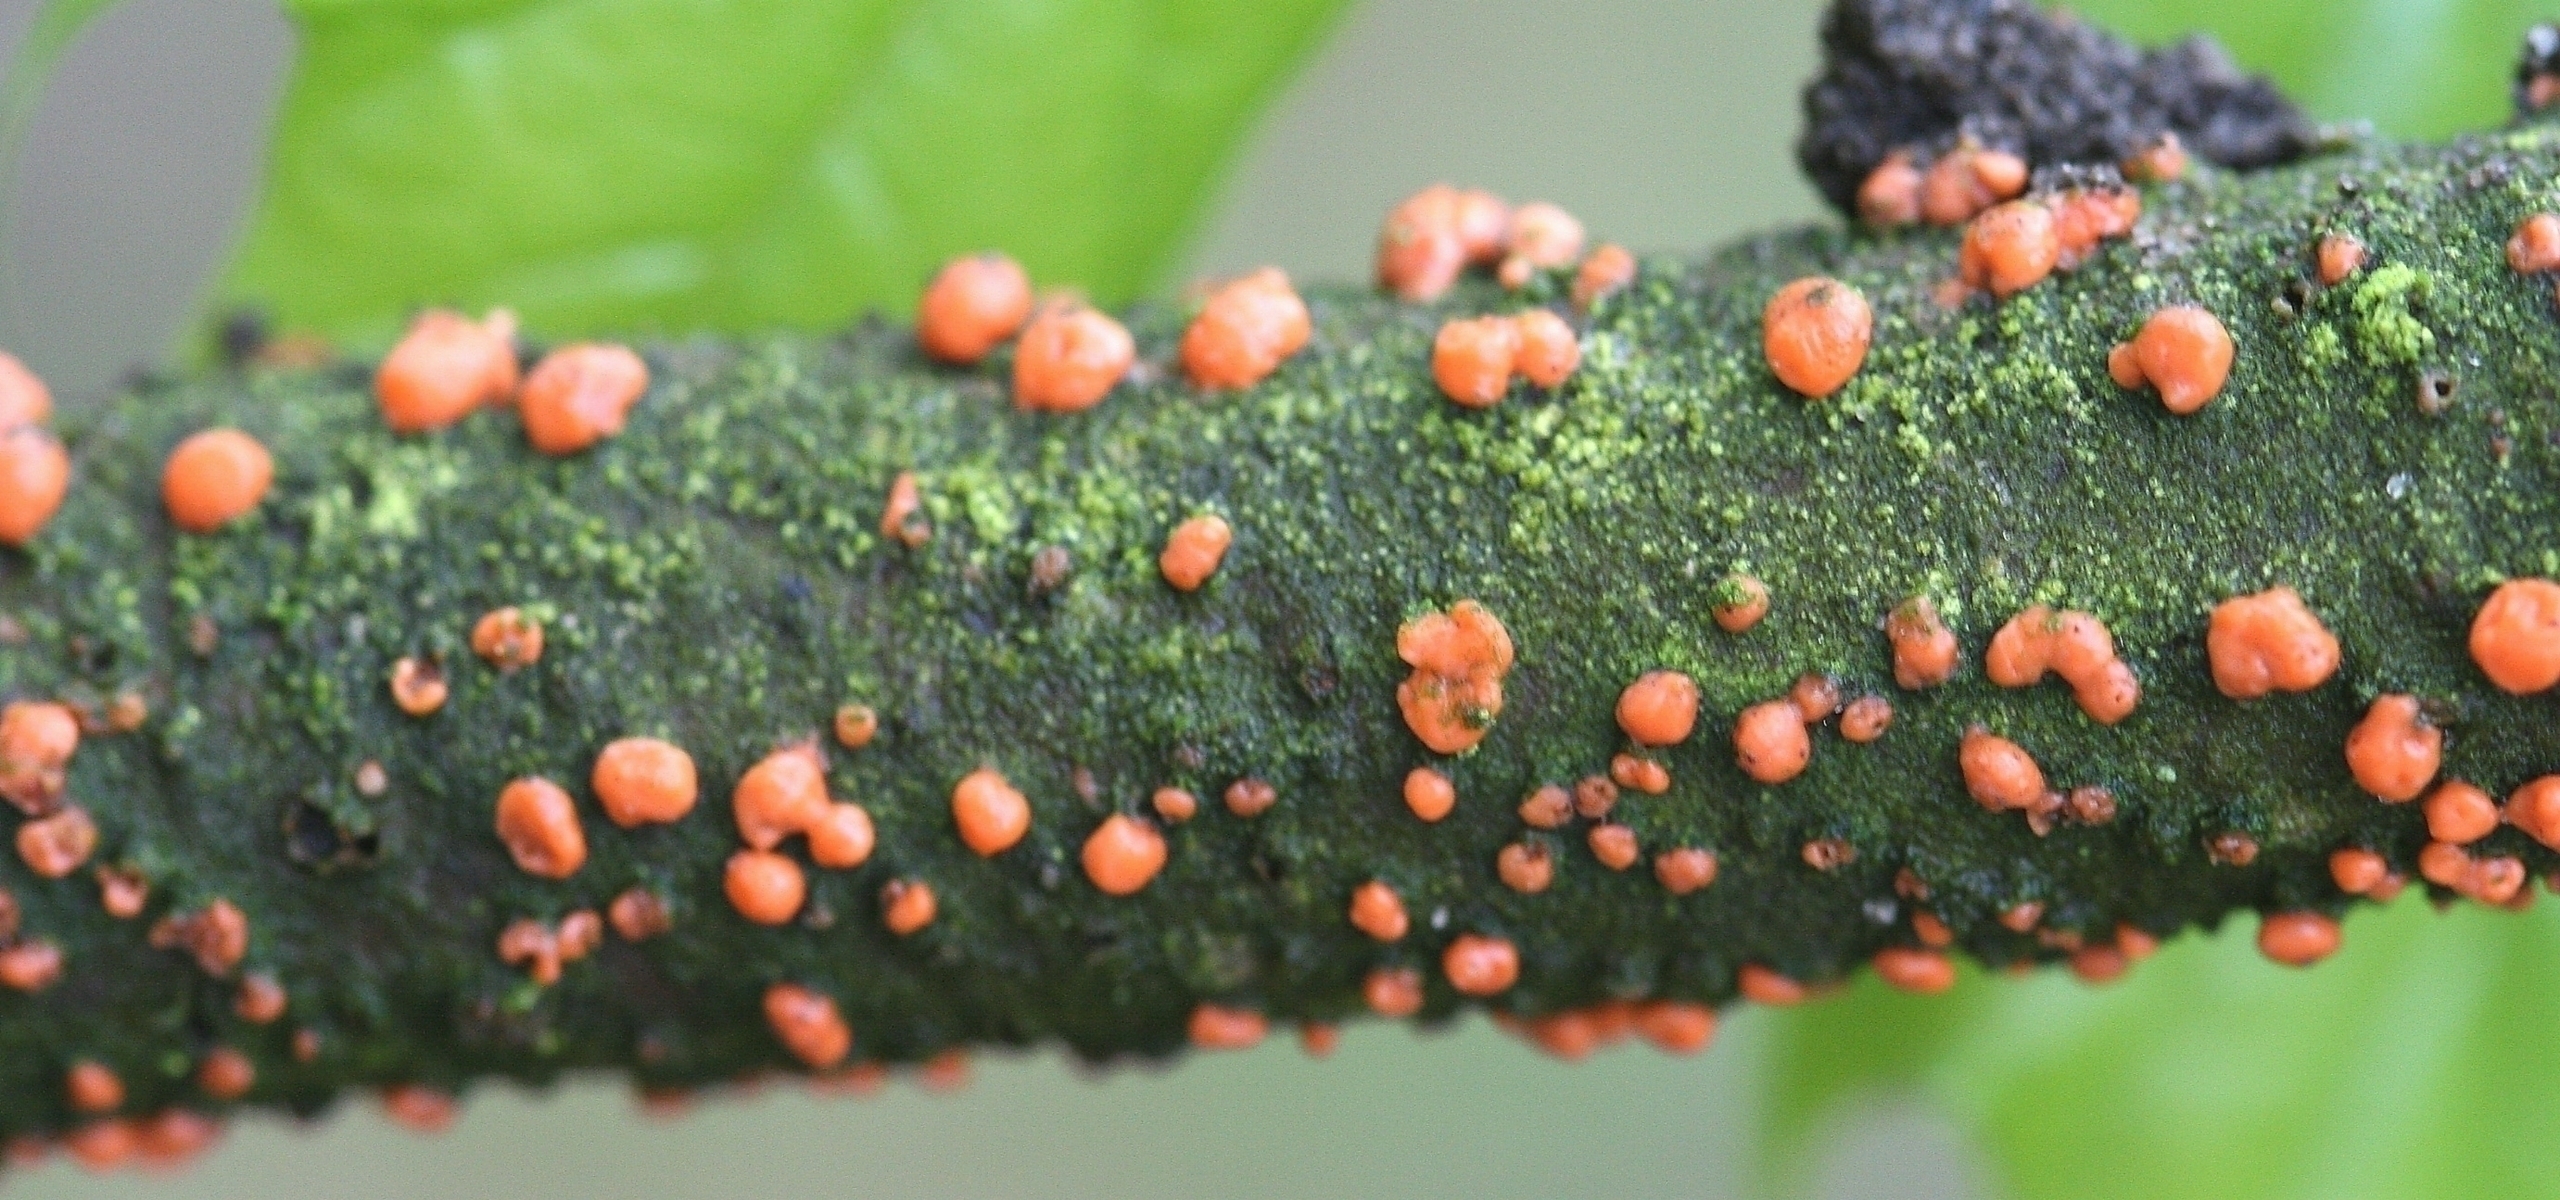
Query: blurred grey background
[{"x": 1663, "y": 125}]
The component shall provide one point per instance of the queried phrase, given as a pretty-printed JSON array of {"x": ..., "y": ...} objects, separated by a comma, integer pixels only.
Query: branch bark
[{"x": 716, "y": 576}]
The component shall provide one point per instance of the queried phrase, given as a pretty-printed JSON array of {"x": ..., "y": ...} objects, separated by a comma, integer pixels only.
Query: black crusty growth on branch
[{"x": 716, "y": 576}]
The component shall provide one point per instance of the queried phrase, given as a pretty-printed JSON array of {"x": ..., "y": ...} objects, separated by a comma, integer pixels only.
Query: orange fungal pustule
[
  {"x": 1738, "y": 602},
  {"x": 1480, "y": 964},
  {"x": 2268, "y": 642},
  {"x": 2183, "y": 352},
  {"x": 1769, "y": 742},
  {"x": 580, "y": 394},
  {"x": 1760, "y": 985},
  {"x": 989, "y": 812},
  {"x": 1659, "y": 709},
  {"x": 2395, "y": 750},
  {"x": 1459, "y": 658},
  {"x": 1542, "y": 237},
  {"x": 1924, "y": 649},
  {"x": 37, "y": 740},
  {"x": 1474, "y": 358},
  {"x": 444, "y": 367},
  {"x": 2337, "y": 256},
  {"x": 2459, "y": 814},
  {"x": 1549, "y": 349},
  {"x": 855, "y": 725},
  {"x": 1968, "y": 179},
  {"x": 907, "y": 906},
  {"x": 638, "y": 914},
  {"x": 2085, "y": 217},
  {"x": 1639, "y": 774},
  {"x": 24, "y": 399},
  {"x": 784, "y": 793},
  {"x": 1392, "y": 992},
  {"x": 1525, "y": 867},
  {"x": 1614, "y": 845},
  {"x": 1605, "y": 272},
  {"x": 1814, "y": 333},
  {"x": 1429, "y": 793},
  {"x": 507, "y": 638},
  {"x": 1378, "y": 911},
  {"x": 1069, "y": 359},
  {"x": 2297, "y": 939},
  {"x": 1430, "y": 237},
  {"x": 2357, "y": 871},
  {"x": 1866, "y": 719},
  {"x": 643, "y": 781},
  {"x": 1123, "y": 854},
  {"x": 1249, "y": 797},
  {"x": 1910, "y": 969},
  {"x": 973, "y": 304},
  {"x": 2164, "y": 160},
  {"x": 842, "y": 837},
  {"x": 1684, "y": 869},
  {"x": 1890, "y": 194},
  {"x": 1174, "y": 805},
  {"x": 55, "y": 845},
  {"x": 2009, "y": 248},
  {"x": 1244, "y": 331},
  {"x": 2534, "y": 247},
  {"x": 1193, "y": 551},
  {"x": 1220, "y": 1027},
  {"x": 2073, "y": 645},
  {"x": 539, "y": 825},
  {"x": 765, "y": 887},
  {"x": 35, "y": 476},
  {"x": 902, "y": 515},
  {"x": 2515, "y": 637},
  {"x": 1998, "y": 773},
  {"x": 808, "y": 1025},
  {"x": 215, "y": 477}
]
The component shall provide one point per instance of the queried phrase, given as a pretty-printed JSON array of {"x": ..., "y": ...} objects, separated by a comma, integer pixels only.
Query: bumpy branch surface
[{"x": 715, "y": 576}]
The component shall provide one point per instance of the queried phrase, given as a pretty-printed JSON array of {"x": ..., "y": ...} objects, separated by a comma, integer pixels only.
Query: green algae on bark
[{"x": 715, "y": 576}]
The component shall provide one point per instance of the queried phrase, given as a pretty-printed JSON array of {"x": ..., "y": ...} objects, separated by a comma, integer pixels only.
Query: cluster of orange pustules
[
  {"x": 1434, "y": 235},
  {"x": 1458, "y": 658},
  {"x": 1474, "y": 359},
  {"x": 2073, "y": 645},
  {"x": 448, "y": 366}
]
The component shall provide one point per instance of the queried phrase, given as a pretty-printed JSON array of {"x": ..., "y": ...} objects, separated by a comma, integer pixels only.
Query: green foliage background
[{"x": 622, "y": 164}]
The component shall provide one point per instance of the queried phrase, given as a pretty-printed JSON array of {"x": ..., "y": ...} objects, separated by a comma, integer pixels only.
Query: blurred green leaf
[
  {"x": 682, "y": 164},
  {"x": 2417, "y": 68},
  {"x": 2414, "y": 1064}
]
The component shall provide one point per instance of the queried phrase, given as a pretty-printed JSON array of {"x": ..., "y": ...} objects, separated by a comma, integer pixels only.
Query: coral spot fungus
[
  {"x": 1069, "y": 358},
  {"x": 1122, "y": 854},
  {"x": 2268, "y": 642},
  {"x": 2515, "y": 638},
  {"x": 35, "y": 475},
  {"x": 2394, "y": 751},
  {"x": 974, "y": 303},
  {"x": 539, "y": 826},
  {"x": 214, "y": 478},
  {"x": 989, "y": 812},
  {"x": 1659, "y": 708},
  {"x": 1814, "y": 333},
  {"x": 1193, "y": 551},
  {"x": 446, "y": 366},
  {"x": 1429, "y": 793},
  {"x": 1458, "y": 658},
  {"x": 580, "y": 394},
  {"x": 2182, "y": 351},
  {"x": 508, "y": 638},
  {"x": 1376, "y": 910},
  {"x": 643, "y": 781},
  {"x": 1244, "y": 331},
  {"x": 1480, "y": 965},
  {"x": 807, "y": 1024},
  {"x": 1738, "y": 602},
  {"x": 1769, "y": 741},
  {"x": 765, "y": 887},
  {"x": 784, "y": 793},
  {"x": 1924, "y": 650}
]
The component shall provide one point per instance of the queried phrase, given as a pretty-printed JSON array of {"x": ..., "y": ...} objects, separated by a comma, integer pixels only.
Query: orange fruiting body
[
  {"x": 841, "y": 838},
  {"x": 579, "y": 395},
  {"x": 2075, "y": 646},
  {"x": 444, "y": 367},
  {"x": 1639, "y": 774},
  {"x": 54, "y": 846},
  {"x": 974, "y": 303},
  {"x": 1392, "y": 991},
  {"x": 2183, "y": 351},
  {"x": 1615, "y": 846},
  {"x": 1429, "y": 793},
  {"x": 1480, "y": 965},
  {"x": 907, "y": 905},
  {"x": 1244, "y": 331},
  {"x": 37, "y": 740},
  {"x": 1769, "y": 742},
  {"x": 643, "y": 781},
  {"x": 1676, "y": 1027},
  {"x": 1684, "y": 870},
  {"x": 2460, "y": 814},
  {"x": 2394, "y": 751},
  {"x": 261, "y": 1000},
  {"x": 1760, "y": 985},
  {"x": 1739, "y": 603},
  {"x": 1194, "y": 550},
  {"x": 507, "y": 638},
  {"x": 989, "y": 813},
  {"x": 1525, "y": 867},
  {"x": 902, "y": 517},
  {"x": 1250, "y": 797},
  {"x": 765, "y": 887},
  {"x": 1924, "y": 651},
  {"x": 2085, "y": 217},
  {"x": 2268, "y": 642},
  {"x": 1542, "y": 237},
  {"x": 807, "y": 1024},
  {"x": 24, "y": 399},
  {"x": 1217, "y": 1027},
  {"x": 1174, "y": 805},
  {"x": 1814, "y": 333},
  {"x": 418, "y": 685},
  {"x": 2009, "y": 248},
  {"x": 2337, "y": 256},
  {"x": 1420, "y": 247},
  {"x": 1605, "y": 272},
  {"x": 1548, "y": 351},
  {"x": 1122, "y": 854},
  {"x": 1890, "y": 194},
  {"x": 783, "y": 794},
  {"x": 1998, "y": 773},
  {"x": 215, "y": 477},
  {"x": 35, "y": 475},
  {"x": 2535, "y": 245},
  {"x": 92, "y": 1088},
  {"x": 1659, "y": 708},
  {"x": 638, "y": 914},
  {"x": 226, "y": 1074},
  {"x": 1458, "y": 658},
  {"x": 1547, "y": 807},
  {"x": 1376, "y": 910},
  {"x": 2297, "y": 939},
  {"x": 2357, "y": 871},
  {"x": 1866, "y": 719},
  {"x": 1914, "y": 970},
  {"x": 540, "y": 827},
  {"x": 1473, "y": 359},
  {"x": 2515, "y": 639},
  {"x": 1069, "y": 359},
  {"x": 855, "y": 725}
]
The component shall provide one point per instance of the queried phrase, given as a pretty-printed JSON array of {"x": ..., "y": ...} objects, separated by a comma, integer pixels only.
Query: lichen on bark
[{"x": 715, "y": 576}]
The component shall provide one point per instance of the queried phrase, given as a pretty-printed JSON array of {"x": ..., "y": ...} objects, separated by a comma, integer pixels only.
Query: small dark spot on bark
[{"x": 1050, "y": 568}]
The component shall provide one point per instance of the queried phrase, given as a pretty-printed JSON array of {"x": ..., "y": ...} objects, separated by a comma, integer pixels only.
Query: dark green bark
[{"x": 715, "y": 576}]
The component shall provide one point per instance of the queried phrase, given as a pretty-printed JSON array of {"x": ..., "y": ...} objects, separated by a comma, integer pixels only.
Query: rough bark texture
[{"x": 715, "y": 576}]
